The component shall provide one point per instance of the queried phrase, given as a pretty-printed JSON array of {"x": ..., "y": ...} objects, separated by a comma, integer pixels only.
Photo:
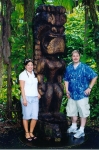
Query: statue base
[{"x": 52, "y": 126}]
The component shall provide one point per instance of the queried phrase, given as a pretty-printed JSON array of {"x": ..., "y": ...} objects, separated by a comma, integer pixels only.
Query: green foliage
[
  {"x": 63, "y": 104},
  {"x": 15, "y": 86},
  {"x": 3, "y": 95},
  {"x": 75, "y": 35},
  {"x": 97, "y": 2},
  {"x": 39, "y": 2},
  {"x": 68, "y": 4},
  {"x": 18, "y": 38},
  {"x": 94, "y": 103},
  {"x": 74, "y": 31}
]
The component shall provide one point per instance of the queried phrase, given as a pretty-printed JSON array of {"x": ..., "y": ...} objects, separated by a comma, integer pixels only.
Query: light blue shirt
[{"x": 79, "y": 79}]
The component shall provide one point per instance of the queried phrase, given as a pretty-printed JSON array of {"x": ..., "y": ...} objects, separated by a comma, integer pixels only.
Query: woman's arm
[{"x": 22, "y": 83}]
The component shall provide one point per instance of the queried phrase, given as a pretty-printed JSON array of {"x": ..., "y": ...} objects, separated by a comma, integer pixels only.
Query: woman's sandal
[
  {"x": 28, "y": 139},
  {"x": 33, "y": 137}
]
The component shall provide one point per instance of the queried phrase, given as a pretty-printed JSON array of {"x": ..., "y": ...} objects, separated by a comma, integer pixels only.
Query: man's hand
[
  {"x": 68, "y": 94},
  {"x": 87, "y": 91}
]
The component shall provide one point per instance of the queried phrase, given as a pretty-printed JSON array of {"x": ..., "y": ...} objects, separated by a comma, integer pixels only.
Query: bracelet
[{"x": 89, "y": 87}]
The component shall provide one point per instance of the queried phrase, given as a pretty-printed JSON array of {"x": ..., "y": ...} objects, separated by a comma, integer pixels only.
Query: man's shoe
[
  {"x": 79, "y": 134},
  {"x": 72, "y": 130}
]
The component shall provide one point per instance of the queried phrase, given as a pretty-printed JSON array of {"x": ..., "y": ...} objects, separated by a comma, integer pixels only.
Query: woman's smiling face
[{"x": 29, "y": 67}]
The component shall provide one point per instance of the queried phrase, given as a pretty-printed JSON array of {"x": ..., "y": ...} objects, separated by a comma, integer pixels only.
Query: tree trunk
[
  {"x": 6, "y": 12},
  {"x": 1, "y": 56},
  {"x": 28, "y": 16},
  {"x": 94, "y": 18},
  {"x": 86, "y": 31}
]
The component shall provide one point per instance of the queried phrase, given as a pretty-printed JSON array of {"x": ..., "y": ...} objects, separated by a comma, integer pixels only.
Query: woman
[{"x": 29, "y": 99}]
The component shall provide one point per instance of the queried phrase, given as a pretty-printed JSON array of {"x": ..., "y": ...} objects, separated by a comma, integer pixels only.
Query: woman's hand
[
  {"x": 39, "y": 96},
  {"x": 25, "y": 102}
]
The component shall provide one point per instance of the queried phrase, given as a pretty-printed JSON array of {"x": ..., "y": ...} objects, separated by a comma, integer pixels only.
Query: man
[{"x": 79, "y": 80}]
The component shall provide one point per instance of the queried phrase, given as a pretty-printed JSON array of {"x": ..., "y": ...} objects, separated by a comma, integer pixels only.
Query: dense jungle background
[{"x": 17, "y": 43}]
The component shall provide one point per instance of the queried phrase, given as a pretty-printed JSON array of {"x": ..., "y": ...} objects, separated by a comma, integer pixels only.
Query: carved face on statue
[
  {"x": 53, "y": 39},
  {"x": 49, "y": 30},
  {"x": 53, "y": 44}
]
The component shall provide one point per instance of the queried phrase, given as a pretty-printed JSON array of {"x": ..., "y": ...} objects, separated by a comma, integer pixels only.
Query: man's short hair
[{"x": 76, "y": 51}]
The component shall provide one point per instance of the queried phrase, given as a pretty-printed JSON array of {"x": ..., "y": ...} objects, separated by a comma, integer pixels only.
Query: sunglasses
[{"x": 27, "y": 60}]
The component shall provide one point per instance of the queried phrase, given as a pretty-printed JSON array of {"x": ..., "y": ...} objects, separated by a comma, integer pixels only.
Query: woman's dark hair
[{"x": 26, "y": 61}]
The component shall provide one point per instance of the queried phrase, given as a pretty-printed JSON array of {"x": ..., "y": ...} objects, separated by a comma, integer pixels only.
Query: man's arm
[
  {"x": 67, "y": 91},
  {"x": 88, "y": 90},
  {"x": 93, "y": 81}
]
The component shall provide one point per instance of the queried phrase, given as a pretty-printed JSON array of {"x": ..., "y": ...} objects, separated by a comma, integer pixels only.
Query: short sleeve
[
  {"x": 66, "y": 76},
  {"x": 22, "y": 76},
  {"x": 90, "y": 73}
]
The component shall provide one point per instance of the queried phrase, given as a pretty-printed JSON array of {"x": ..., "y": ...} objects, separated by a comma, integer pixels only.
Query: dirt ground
[{"x": 10, "y": 133}]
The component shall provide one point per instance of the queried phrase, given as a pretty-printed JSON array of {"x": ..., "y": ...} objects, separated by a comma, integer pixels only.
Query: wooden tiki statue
[{"x": 49, "y": 48}]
